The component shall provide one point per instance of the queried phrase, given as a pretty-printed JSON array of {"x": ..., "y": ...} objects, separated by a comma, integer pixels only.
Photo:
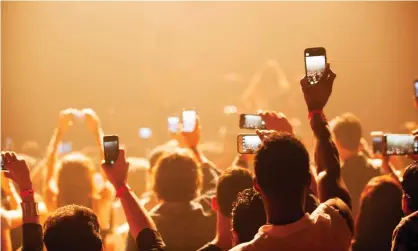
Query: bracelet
[
  {"x": 29, "y": 209},
  {"x": 122, "y": 189},
  {"x": 26, "y": 193},
  {"x": 314, "y": 112}
]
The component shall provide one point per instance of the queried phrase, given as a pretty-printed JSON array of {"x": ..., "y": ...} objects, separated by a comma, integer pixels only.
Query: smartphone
[
  {"x": 248, "y": 143},
  {"x": 400, "y": 144},
  {"x": 173, "y": 124},
  {"x": 416, "y": 88},
  {"x": 315, "y": 64},
  {"x": 189, "y": 120},
  {"x": 145, "y": 133},
  {"x": 111, "y": 148},
  {"x": 64, "y": 147},
  {"x": 377, "y": 142},
  {"x": 251, "y": 121}
]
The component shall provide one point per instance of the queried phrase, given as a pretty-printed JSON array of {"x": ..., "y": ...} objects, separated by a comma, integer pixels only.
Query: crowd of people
[{"x": 280, "y": 198}]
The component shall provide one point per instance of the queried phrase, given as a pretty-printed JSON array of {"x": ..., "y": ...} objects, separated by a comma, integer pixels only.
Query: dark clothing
[
  {"x": 356, "y": 173},
  {"x": 183, "y": 227},
  {"x": 405, "y": 234},
  {"x": 210, "y": 177},
  {"x": 147, "y": 239},
  {"x": 210, "y": 247}
]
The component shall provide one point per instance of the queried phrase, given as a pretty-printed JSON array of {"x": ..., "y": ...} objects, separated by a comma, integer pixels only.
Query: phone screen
[
  {"x": 416, "y": 88},
  {"x": 173, "y": 124},
  {"x": 189, "y": 120},
  {"x": 248, "y": 143},
  {"x": 111, "y": 149},
  {"x": 401, "y": 144},
  {"x": 145, "y": 133},
  {"x": 315, "y": 67},
  {"x": 251, "y": 121}
]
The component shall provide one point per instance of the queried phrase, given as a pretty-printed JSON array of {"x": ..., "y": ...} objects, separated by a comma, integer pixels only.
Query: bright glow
[{"x": 189, "y": 120}]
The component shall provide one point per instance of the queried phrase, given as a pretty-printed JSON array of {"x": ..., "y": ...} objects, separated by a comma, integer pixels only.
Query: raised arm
[
  {"x": 142, "y": 227},
  {"x": 94, "y": 125},
  {"x": 330, "y": 183},
  {"x": 65, "y": 120},
  {"x": 18, "y": 171}
]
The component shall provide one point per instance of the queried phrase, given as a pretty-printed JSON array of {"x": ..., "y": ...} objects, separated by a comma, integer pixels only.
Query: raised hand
[
  {"x": 17, "y": 169},
  {"x": 276, "y": 122},
  {"x": 192, "y": 139},
  {"x": 317, "y": 95},
  {"x": 66, "y": 119},
  {"x": 91, "y": 119},
  {"x": 117, "y": 173}
]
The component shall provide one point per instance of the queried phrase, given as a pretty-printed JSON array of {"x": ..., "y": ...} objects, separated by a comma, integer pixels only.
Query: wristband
[
  {"x": 121, "y": 190},
  {"x": 26, "y": 193},
  {"x": 314, "y": 112}
]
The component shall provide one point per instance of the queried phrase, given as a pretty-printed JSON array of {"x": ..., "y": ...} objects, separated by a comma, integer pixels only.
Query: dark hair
[
  {"x": 177, "y": 177},
  {"x": 75, "y": 180},
  {"x": 72, "y": 228},
  {"x": 282, "y": 168},
  {"x": 380, "y": 208},
  {"x": 248, "y": 215},
  {"x": 347, "y": 131},
  {"x": 410, "y": 185},
  {"x": 405, "y": 234},
  {"x": 232, "y": 181}
]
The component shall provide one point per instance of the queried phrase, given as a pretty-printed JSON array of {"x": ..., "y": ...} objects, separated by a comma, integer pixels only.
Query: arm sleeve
[
  {"x": 32, "y": 237},
  {"x": 149, "y": 240}
]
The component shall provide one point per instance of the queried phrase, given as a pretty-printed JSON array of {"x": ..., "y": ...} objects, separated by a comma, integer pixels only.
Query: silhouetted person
[
  {"x": 380, "y": 212},
  {"x": 357, "y": 169}
]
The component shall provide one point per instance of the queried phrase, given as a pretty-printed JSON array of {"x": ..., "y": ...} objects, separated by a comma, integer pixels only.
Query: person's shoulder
[
  {"x": 337, "y": 212},
  {"x": 210, "y": 247}
]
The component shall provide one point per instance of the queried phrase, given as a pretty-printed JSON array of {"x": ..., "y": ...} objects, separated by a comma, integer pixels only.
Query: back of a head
[
  {"x": 75, "y": 180},
  {"x": 381, "y": 209},
  {"x": 248, "y": 215},
  {"x": 138, "y": 175},
  {"x": 177, "y": 177},
  {"x": 72, "y": 228},
  {"x": 282, "y": 168},
  {"x": 232, "y": 181},
  {"x": 347, "y": 131},
  {"x": 405, "y": 234},
  {"x": 410, "y": 186}
]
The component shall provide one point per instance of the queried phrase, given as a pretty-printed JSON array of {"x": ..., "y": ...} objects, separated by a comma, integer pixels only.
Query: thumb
[{"x": 304, "y": 83}]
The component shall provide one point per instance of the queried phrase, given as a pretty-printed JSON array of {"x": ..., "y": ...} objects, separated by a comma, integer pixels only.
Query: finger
[
  {"x": 281, "y": 115},
  {"x": 7, "y": 157},
  {"x": 13, "y": 156},
  {"x": 260, "y": 134},
  {"x": 121, "y": 155},
  {"x": 304, "y": 83}
]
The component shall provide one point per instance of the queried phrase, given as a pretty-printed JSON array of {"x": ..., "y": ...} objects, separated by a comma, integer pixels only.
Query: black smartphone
[
  {"x": 3, "y": 169},
  {"x": 111, "y": 148},
  {"x": 315, "y": 64},
  {"x": 377, "y": 142},
  {"x": 251, "y": 121},
  {"x": 248, "y": 143},
  {"x": 400, "y": 144},
  {"x": 416, "y": 88}
]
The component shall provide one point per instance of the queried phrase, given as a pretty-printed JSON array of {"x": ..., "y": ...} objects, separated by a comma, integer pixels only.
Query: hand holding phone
[
  {"x": 248, "y": 143},
  {"x": 111, "y": 148}
]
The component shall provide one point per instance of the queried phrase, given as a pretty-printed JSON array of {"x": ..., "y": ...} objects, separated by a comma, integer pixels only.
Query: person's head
[
  {"x": 380, "y": 207},
  {"x": 405, "y": 234},
  {"x": 347, "y": 133},
  {"x": 75, "y": 180},
  {"x": 232, "y": 181},
  {"x": 248, "y": 216},
  {"x": 282, "y": 170},
  {"x": 410, "y": 189},
  {"x": 72, "y": 228},
  {"x": 177, "y": 177},
  {"x": 138, "y": 175}
]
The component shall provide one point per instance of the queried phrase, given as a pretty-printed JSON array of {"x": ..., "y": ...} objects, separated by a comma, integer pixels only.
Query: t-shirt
[
  {"x": 323, "y": 230},
  {"x": 210, "y": 247}
]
